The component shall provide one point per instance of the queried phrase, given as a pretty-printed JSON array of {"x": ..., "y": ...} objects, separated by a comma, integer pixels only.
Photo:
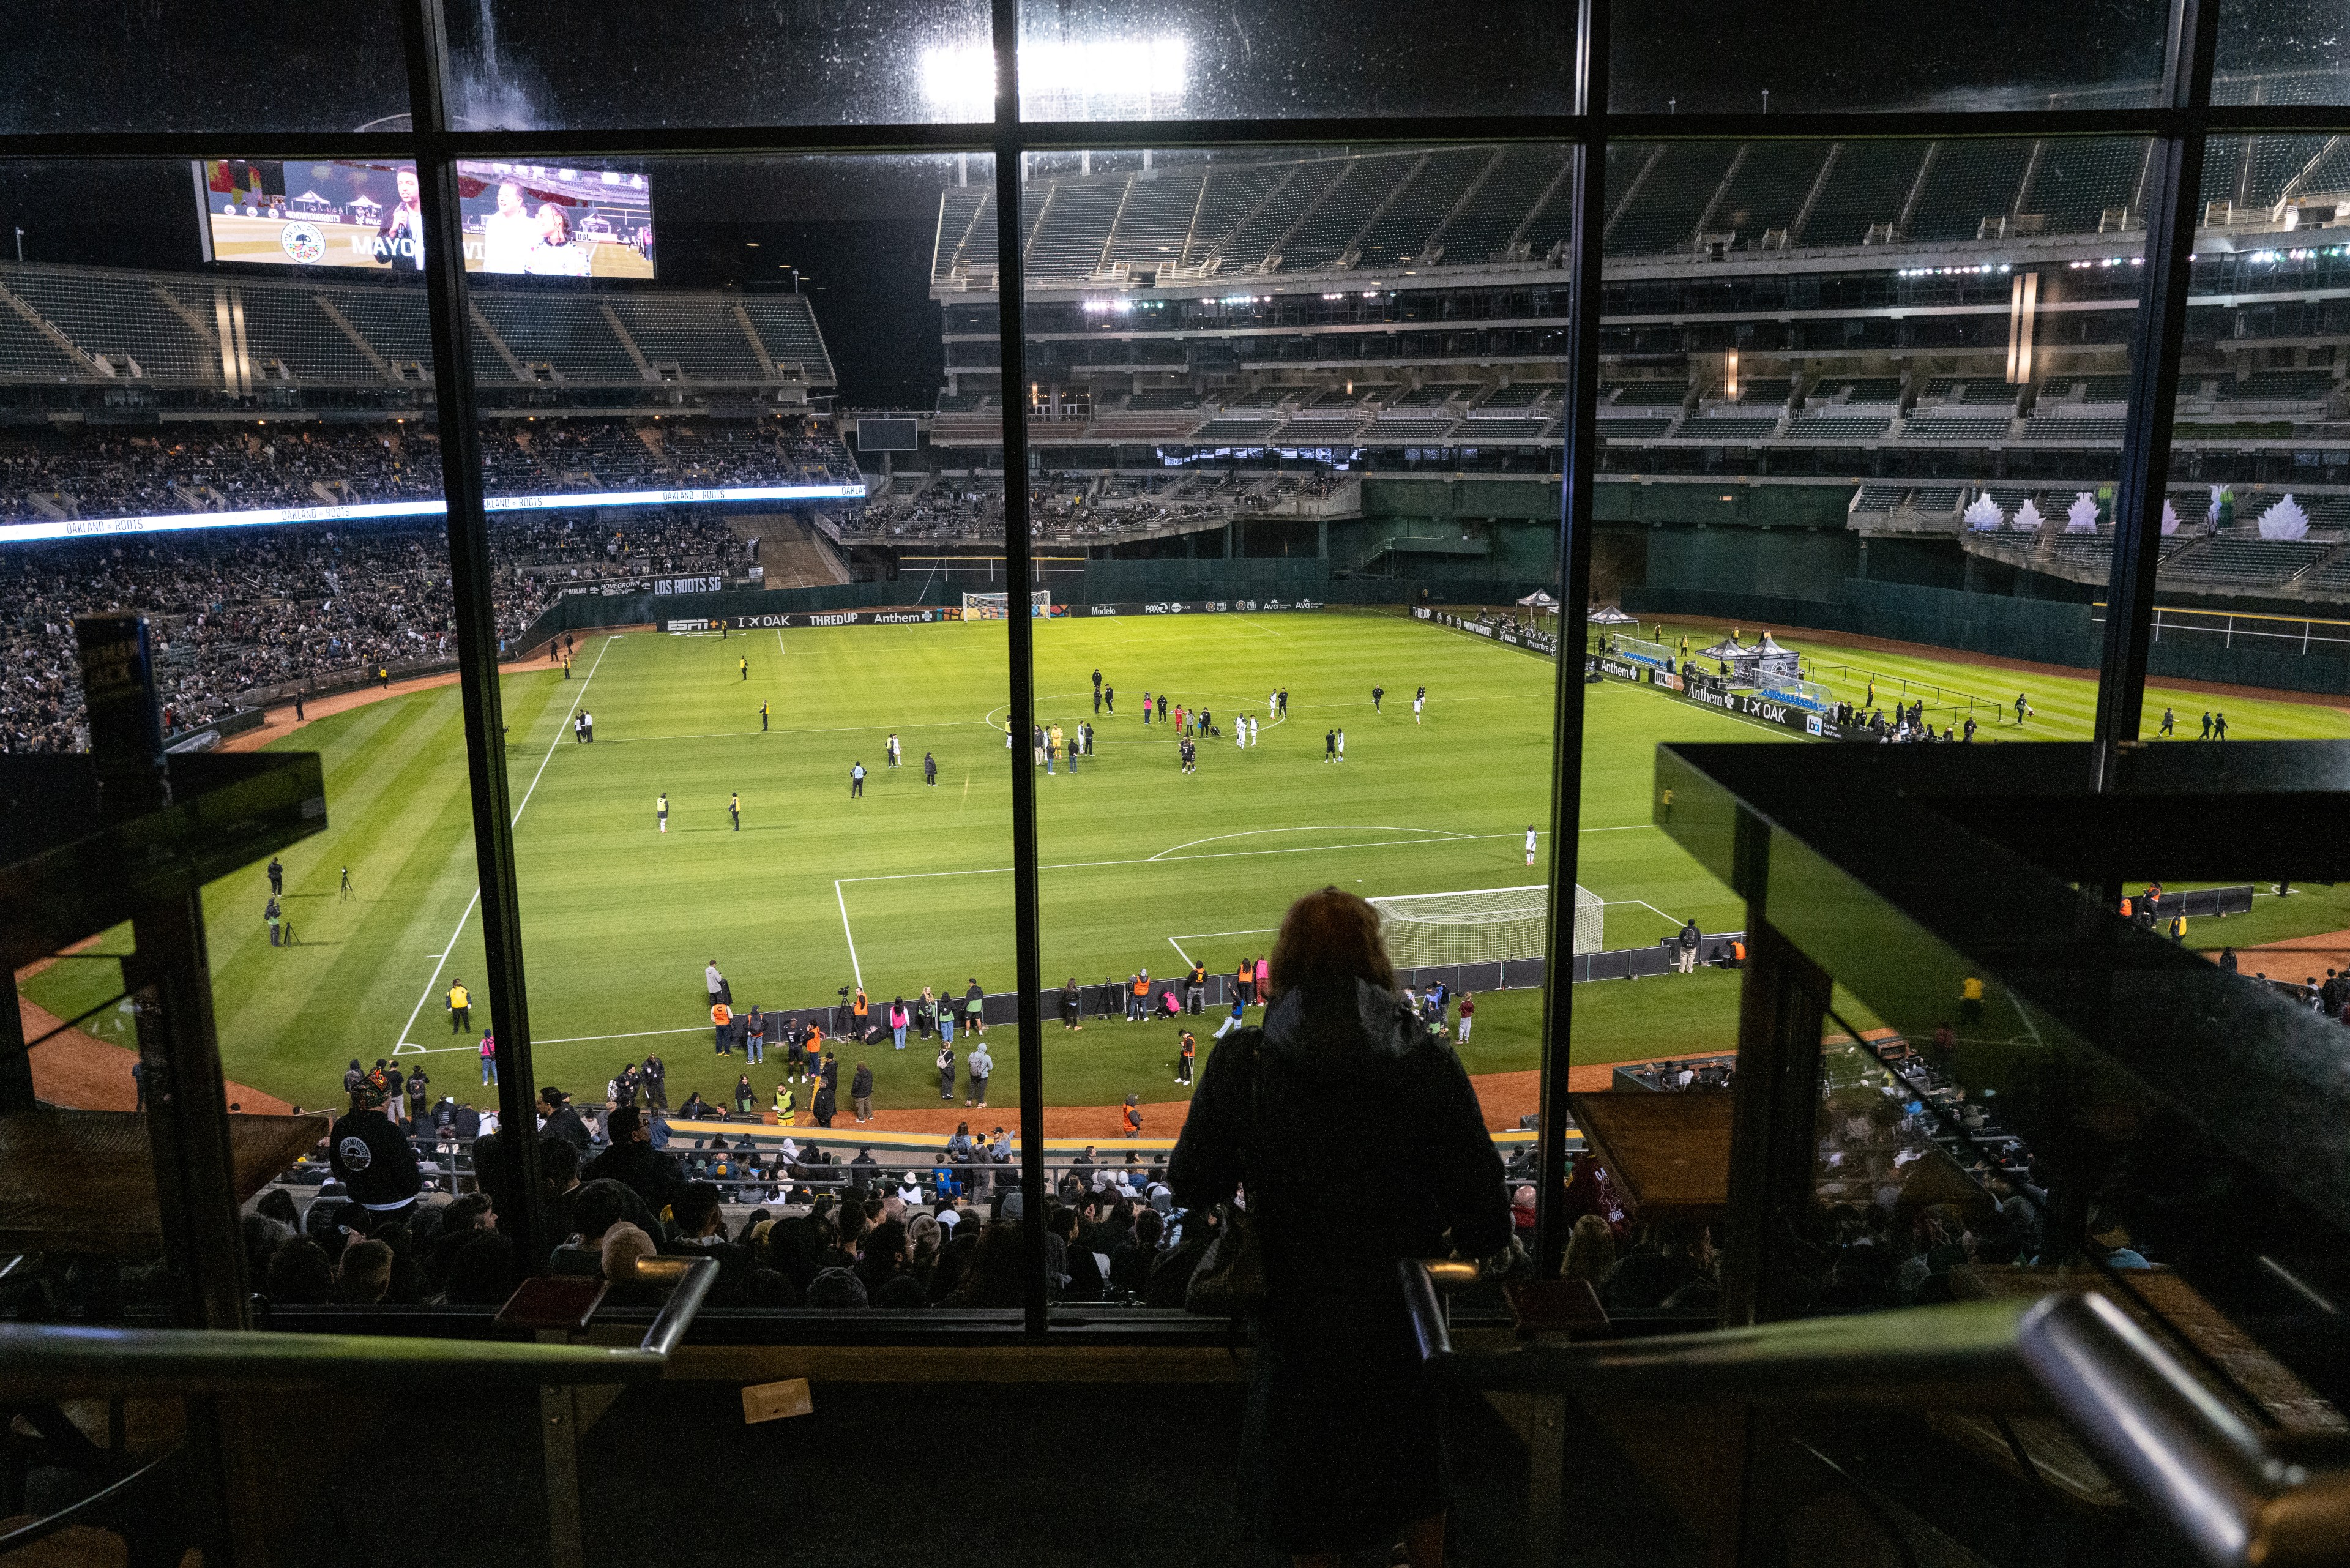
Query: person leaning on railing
[{"x": 1340, "y": 1450}]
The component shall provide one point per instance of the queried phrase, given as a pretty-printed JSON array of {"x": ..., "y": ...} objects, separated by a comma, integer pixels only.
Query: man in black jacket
[
  {"x": 372, "y": 1157},
  {"x": 557, "y": 1119},
  {"x": 633, "y": 1161}
]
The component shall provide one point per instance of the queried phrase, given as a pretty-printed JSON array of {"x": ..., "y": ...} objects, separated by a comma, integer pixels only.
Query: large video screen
[{"x": 539, "y": 219}]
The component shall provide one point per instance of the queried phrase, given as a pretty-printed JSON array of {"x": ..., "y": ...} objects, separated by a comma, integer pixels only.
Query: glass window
[
  {"x": 2279, "y": 52},
  {"x": 275, "y": 65},
  {"x": 1709, "y": 58},
  {"x": 1295, "y": 457},
  {"x": 638, "y": 64},
  {"x": 1861, "y": 412},
  {"x": 1177, "y": 59}
]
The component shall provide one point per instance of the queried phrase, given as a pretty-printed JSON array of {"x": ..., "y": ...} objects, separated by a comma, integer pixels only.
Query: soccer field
[{"x": 909, "y": 885}]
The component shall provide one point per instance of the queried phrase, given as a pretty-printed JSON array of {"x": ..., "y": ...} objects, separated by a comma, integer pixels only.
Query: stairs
[{"x": 791, "y": 554}]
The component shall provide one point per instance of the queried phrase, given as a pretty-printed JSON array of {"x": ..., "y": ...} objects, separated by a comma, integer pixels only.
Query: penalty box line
[{"x": 442, "y": 962}]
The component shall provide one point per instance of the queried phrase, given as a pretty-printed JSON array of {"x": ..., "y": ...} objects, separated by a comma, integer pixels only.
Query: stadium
[{"x": 966, "y": 658}]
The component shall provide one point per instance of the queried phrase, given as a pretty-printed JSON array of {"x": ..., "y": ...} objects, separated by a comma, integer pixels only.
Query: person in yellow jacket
[
  {"x": 1971, "y": 999},
  {"x": 786, "y": 1107},
  {"x": 460, "y": 1008}
]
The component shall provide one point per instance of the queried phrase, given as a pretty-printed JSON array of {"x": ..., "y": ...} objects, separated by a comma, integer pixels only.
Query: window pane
[
  {"x": 1282, "y": 407},
  {"x": 1710, "y": 58},
  {"x": 2249, "y": 591},
  {"x": 783, "y": 742},
  {"x": 1180, "y": 60},
  {"x": 1860, "y": 420},
  {"x": 639, "y": 64},
  {"x": 73, "y": 66},
  {"x": 2280, "y": 51}
]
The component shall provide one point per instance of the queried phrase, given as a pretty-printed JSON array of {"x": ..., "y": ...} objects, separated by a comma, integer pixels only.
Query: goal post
[
  {"x": 1489, "y": 924},
  {"x": 995, "y": 606}
]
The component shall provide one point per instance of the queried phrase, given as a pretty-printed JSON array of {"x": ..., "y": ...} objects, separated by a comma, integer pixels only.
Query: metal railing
[
  {"x": 2178, "y": 1449},
  {"x": 52, "y": 1361}
]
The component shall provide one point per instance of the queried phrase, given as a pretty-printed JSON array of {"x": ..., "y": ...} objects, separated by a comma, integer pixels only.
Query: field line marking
[
  {"x": 1253, "y": 931},
  {"x": 404, "y": 1049},
  {"x": 1220, "y": 855},
  {"x": 1178, "y": 949},
  {"x": 842, "y": 898},
  {"x": 1317, "y": 827},
  {"x": 1654, "y": 911},
  {"x": 438, "y": 964},
  {"x": 637, "y": 1034},
  {"x": 781, "y": 652},
  {"x": 1253, "y": 627},
  {"x": 442, "y": 962}
]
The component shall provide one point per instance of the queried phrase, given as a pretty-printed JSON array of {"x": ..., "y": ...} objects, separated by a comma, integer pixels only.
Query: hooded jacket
[{"x": 1335, "y": 1219}]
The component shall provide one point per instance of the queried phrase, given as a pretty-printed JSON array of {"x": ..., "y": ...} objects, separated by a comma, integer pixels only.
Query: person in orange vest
[
  {"x": 1245, "y": 982},
  {"x": 1133, "y": 1117},
  {"x": 857, "y": 1011},
  {"x": 722, "y": 1027},
  {"x": 1139, "y": 1002},
  {"x": 1191, "y": 1048}
]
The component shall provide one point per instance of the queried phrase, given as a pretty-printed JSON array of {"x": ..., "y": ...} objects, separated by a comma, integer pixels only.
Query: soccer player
[
  {"x": 1530, "y": 843},
  {"x": 1162, "y": 707},
  {"x": 578, "y": 731},
  {"x": 1098, "y": 680},
  {"x": 1378, "y": 695},
  {"x": 1109, "y": 699},
  {"x": 588, "y": 721},
  {"x": 1098, "y": 692},
  {"x": 857, "y": 782},
  {"x": 896, "y": 753},
  {"x": 1342, "y": 744},
  {"x": 929, "y": 770},
  {"x": 1329, "y": 746},
  {"x": 734, "y": 809},
  {"x": 660, "y": 809},
  {"x": 2207, "y": 724},
  {"x": 2022, "y": 709},
  {"x": 745, "y": 664},
  {"x": 1284, "y": 701},
  {"x": 460, "y": 1008},
  {"x": 2218, "y": 726},
  {"x": 1418, "y": 701},
  {"x": 762, "y": 716},
  {"x": 2165, "y": 730},
  {"x": 1240, "y": 731},
  {"x": 1272, "y": 704}
]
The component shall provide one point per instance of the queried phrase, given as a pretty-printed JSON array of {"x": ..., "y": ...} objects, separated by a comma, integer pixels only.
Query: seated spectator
[
  {"x": 484, "y": 1271},
  {"x": 364, "y": 1272},
  {"x": 1671, "y": 1254},
  {"x": 700, "y": 1232},
  {"x": 996, "y": 1274},
  {"x": 633, "y": 1161},
  {"x": 1342, "y": 1426},
  {"x": 300, "y": 1275},
  {"x": 1130, "y": 1263},
  {"x": 1590, "y": 1251},
  {"x": 834, "y": 1289}
]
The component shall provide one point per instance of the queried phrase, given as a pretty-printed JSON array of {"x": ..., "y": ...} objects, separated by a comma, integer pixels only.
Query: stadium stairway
[{"x": 791, "y": 554}]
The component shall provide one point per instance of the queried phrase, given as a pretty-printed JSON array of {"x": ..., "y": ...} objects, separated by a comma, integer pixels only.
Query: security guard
[{"x": 460, "y": 1008}]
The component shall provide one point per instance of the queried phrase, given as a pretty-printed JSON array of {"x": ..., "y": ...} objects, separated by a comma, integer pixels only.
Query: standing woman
[
  {"x": 745, "y": 1096},
  {"x": 1072, "y": 1004},
  {"x": 926, "y": 1014},
  {"x": 1340, "y": 1449},
  {"x": 898, "y": 1018}
]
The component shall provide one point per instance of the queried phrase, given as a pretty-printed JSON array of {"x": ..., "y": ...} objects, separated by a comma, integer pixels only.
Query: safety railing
[{"x": 2180, "y": 1451}]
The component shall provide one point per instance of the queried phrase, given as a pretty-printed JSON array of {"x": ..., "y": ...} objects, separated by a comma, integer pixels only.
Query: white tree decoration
[
  {"x": 2212, "y": 516},
  {"x": 2081, "y": 517},
  {"x": 1983, "y": 514},
  {"x": 2027, "y": 518},
  {"x": 2286, "y": 520},
  {"x": 2169, "y": 516}
]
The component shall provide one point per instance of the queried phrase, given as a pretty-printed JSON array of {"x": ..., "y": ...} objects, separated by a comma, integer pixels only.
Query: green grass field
[{"x": 909, "y": 885}]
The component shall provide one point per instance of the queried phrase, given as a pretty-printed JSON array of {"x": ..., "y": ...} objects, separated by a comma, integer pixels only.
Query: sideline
[{"x": 279, "y": 721}]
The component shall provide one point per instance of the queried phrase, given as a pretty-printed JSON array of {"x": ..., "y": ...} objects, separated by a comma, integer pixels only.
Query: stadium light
[{"x": 962, "y": 77}]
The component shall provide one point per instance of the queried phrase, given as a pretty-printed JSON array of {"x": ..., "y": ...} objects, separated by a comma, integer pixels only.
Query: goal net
[
  {"x": 994, "y": 606},
  {"x": 1491, "y": 923}
]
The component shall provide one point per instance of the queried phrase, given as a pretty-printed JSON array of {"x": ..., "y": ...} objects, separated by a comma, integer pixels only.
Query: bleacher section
[{"x": 159, "y": 329}]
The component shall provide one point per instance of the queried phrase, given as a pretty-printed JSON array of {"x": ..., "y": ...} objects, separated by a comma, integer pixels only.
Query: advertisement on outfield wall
[
  {"x": 923, "y": 615},
  {"x": 1202, "y": 606}
]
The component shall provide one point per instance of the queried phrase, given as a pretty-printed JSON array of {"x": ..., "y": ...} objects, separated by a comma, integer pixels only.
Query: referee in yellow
[{"x": 460, "y": 1008}]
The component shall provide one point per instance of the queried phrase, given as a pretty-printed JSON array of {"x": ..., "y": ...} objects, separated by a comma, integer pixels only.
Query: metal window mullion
[
  {"x": 456, "y": 417},
  {"x": 2157, "y": 345},
  {"x": 1018, "y": 573},
  {"x": 1580, "y": 427}
]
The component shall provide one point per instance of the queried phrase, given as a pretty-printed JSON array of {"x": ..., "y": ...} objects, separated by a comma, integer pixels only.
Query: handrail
[
  {"x": 2175, "y": 1447},
  {"x": 59, "y": 1361}
]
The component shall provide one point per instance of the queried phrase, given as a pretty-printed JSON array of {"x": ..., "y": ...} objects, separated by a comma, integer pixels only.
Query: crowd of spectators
[
  {"x": 264, "y": 465},
  {"x": 247, "y": 616}
]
